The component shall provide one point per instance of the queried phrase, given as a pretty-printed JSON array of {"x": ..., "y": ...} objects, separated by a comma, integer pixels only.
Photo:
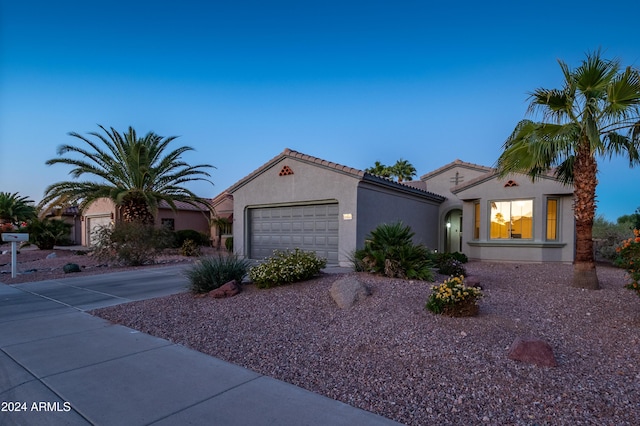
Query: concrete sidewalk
[{"x": 62, "y": 366}]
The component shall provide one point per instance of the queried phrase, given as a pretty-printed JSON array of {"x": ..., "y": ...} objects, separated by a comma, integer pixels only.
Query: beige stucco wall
[
  {"x": 185, "y": 219},
  {"x": 537, "y": 249},
  {"x": 309, "y": 183}
]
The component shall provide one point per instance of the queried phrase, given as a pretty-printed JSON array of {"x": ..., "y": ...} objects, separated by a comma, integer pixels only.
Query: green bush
[
  {"x": 286, "y": 267},
  {"x": 190, "y": 248},
  {"x": 212, "y": 272},
  {"x": 389, "y": 251},
  {"x": 450, "y": 263},
  {"x": 228, "y": 244},
  {"x": 131, "y": 244},
  {"x": 629, "y": 258},
  {"x": 189, "y": 234},
  {"x": 46, "y": 233}
]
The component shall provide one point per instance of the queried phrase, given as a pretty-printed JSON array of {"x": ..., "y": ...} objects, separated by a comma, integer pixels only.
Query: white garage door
[
  {"x": 309, "y": 228},
  {"x": 93, "y": 224}
]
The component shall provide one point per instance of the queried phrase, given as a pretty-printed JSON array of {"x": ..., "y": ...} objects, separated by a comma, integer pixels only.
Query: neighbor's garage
[
  {"x": 94, "y": 224},
  {"x": 307, "y": 227}
]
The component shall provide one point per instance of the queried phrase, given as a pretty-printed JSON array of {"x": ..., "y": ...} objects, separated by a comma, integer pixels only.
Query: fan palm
[
  {"x": 15, "y": 209},
  {"x": 136, "y": 173},
  {"x": 595, "y": 114},
  {"x": 403, "y": 170},
  {"x": 379, "y": 169}
]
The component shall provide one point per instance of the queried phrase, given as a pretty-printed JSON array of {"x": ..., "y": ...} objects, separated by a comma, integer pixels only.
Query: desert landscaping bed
[
  {"x": 38, "y": 265},
  {"x": 388, "y": 355}
]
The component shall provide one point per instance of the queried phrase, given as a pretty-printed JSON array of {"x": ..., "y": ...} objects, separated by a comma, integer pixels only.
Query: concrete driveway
[{"x": 62, "y": 366}]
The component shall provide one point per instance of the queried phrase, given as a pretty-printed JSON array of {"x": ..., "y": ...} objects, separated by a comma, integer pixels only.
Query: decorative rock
[
  {"x": 52, "y": 256},
  {"x": 229, "y": 289},
  {"x": 532, "y": 351},
  {"x": 70, "y": 268},
  {"x": 347, "y": 290}
]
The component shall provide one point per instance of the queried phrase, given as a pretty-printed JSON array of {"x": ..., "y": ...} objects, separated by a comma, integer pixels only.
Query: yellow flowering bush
[
  {"x": 454, "y": 298},
  {"x": 629, "y": 258},
  {"x": 286, "y": 267}
]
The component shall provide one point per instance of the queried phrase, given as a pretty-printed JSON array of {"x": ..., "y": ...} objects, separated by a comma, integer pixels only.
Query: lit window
[
  {"x": 476, "y": 221},
  {"x": 552, "y": 219},
  {"x": 512, "y": 219}
]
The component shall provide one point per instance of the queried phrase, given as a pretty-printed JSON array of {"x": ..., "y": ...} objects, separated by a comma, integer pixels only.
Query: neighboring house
[
  {"x": 103, "y": 212},
  {"x": 72, "y": 216},
  {"x": 222, "y": 221},
  {"x": 296, "y": 200}
]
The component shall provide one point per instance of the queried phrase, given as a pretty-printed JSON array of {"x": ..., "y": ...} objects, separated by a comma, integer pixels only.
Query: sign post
[{"x": 14, "y": 238}]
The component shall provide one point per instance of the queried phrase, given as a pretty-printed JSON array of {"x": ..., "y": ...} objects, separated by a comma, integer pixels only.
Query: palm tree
[
  {"x": 15, "y": 209},
  {"x": 595, "y": 114},
  {"x": 379, "y": 169},
  {"x": 403, "y": 170},
  {"x": 136, "y": 173}
]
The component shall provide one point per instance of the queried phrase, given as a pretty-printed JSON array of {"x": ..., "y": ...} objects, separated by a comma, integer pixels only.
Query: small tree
[{"x": 15, "y": 209}]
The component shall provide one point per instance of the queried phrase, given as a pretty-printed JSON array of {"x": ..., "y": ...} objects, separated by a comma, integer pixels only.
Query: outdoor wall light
[{"x": 448, "y": 224}]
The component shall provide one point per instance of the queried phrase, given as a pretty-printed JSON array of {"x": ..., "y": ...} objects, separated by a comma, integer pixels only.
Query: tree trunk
[
  {"x": 585, "y": 181},
  {"x": 134, "y": 210}
]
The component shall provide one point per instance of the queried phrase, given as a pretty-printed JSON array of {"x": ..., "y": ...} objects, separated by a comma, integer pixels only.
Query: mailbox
[{"x": 9, "y": 237}]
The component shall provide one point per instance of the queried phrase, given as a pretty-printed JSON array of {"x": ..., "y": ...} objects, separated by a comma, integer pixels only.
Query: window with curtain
[
  {"x": 476, "y": 221},
  {"x": 552, "y": 219},
  {"x": 511, "y": 219}
]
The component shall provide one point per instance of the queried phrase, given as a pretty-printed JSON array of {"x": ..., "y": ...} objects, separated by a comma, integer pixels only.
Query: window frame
[
  {"x": 510, "y": 228},
  {"x": 477, "y": 223},
  {"x": 556, "y": 225}
]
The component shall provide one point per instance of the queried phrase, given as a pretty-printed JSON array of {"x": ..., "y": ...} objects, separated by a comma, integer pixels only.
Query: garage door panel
[{"x": 281, "y": 228}]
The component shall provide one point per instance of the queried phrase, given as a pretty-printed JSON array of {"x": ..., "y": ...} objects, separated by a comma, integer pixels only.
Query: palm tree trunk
[{"x": 585, "y": 181}]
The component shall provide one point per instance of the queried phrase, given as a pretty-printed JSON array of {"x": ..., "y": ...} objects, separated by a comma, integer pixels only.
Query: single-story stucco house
[
  {"x": 103, "y": 212},
  {"x": 299, "y": 201}
]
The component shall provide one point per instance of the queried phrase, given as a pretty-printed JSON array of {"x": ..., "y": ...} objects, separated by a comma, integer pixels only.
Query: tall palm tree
[
  {"x": 15, "y": 209},
  {"x": 403, "y": 170},
  {"x": 136, "y": 173},
  {"x": 595, "y": 114},
  {"x": 379, "y": 169}
]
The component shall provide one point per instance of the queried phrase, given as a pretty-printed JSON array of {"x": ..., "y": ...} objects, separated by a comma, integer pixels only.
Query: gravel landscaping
[{"x": 388, "y": 355}]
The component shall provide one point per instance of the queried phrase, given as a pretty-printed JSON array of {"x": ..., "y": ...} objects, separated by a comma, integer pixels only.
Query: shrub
[
  {"x": 190, "y": 248},
  {"x": 607, "y": 236},
  {"x": 212, "y": 272},
  {"x": 71, "y": 267},
  {"x": 183, "y": 235},
  {"x": 46, "y": 233},
  {"x": 286, "y": 267},
  {"x": 228, "y": 244},
  {"x": 453, "y": 298},
  {"x": 452, "y": 267},
  {"x": 389, "y": 251},
  {"x": 131, "y": 244},
  {"x": 629, "y": 259}
]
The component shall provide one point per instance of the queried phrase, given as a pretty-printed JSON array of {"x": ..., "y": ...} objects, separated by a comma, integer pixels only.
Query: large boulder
[
  {"x": 532, "y": 351},
  {"x": 229, "y": 289},
  {"x": 348, "y": 290}
]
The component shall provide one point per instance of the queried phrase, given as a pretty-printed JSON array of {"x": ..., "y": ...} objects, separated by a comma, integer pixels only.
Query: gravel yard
[{"x": 390, "y": 356}]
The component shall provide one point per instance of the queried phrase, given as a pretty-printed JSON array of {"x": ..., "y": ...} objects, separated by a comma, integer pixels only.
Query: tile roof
[
  {"x": 455, "y": 163},
  {"x": 357, "y": 173},
  {"x": 181, "y": 205}
]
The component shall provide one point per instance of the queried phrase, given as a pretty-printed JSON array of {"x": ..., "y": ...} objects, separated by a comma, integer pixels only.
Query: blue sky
[{"x": 350, "y": 82}]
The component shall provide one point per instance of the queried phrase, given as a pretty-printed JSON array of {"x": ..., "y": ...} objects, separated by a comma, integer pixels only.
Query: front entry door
[{"x": 453, "y": 232}]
